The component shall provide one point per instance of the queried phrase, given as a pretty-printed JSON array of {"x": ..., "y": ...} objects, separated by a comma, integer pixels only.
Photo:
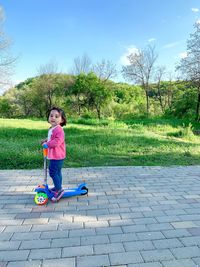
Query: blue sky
[{"x": 61, "y": 30}]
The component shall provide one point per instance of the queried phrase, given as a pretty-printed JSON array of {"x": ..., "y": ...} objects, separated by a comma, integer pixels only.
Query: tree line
[{"x": 86, "y": 96}]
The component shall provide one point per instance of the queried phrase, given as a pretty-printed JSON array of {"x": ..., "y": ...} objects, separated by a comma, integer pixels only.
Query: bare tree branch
[{"x": 81, "y": 65}]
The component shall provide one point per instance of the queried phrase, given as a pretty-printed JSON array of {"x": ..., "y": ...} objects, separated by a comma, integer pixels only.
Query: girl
[{"x": 56, "y": 149}]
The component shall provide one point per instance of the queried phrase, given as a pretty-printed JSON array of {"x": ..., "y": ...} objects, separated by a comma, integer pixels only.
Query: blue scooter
[{"x": 44, "y": 193}]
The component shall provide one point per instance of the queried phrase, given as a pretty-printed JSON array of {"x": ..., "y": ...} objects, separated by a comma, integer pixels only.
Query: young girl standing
[{"x": 55, "y": 143}]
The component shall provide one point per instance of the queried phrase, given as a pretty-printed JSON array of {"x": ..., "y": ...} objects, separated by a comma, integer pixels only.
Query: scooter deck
[
  {"x": 69, "y": 192},
  {"x": 74, "y": 192}
]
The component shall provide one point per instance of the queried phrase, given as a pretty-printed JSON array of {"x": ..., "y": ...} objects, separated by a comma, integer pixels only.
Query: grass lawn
[{"x": 134, "y": 143}]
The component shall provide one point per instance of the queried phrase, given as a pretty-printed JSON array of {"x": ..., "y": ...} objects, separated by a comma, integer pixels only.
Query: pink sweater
[{"x": 56, "y": 144}]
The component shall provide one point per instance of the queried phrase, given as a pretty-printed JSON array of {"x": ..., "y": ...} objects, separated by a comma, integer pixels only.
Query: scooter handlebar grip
[{"x": 45, "y": 152}]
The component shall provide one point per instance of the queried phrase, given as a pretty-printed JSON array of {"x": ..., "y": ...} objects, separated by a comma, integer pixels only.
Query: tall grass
[{"x": 102, "y": 143}]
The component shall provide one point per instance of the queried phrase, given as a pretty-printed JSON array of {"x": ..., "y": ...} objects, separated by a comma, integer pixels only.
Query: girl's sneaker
[
  {"x": 57, "y": 195},
  {"x": 53, "y": 189}
]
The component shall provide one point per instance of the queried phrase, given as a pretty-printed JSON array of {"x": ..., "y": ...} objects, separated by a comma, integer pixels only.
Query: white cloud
[
  {"x": 170, "y": 45},
  {"x": 152, "y": 40},
  {"x": 194, "y": 9},
  {"x": 129, "y": 50},
  {"x": 198, "y": 21},
  {"x": 183, "y": 55}
]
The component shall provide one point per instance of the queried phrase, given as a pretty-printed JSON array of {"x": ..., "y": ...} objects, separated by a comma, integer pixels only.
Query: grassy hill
[{"x": 147, "y": 142}]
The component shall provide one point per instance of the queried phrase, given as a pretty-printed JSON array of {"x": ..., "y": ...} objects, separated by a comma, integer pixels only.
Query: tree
[
  {"x": 159, "y": 75},
  {"x": 90, "y": 92},
  {"x": 5, "y": 107},
  {"x": 6, "y": 59},
  {"x": 141, "y": 68},
  {"x": 78, "y": 91},
  {"x": 47, "y": 83},
  {"x": 105, "y": 70},
  {"x": 98, "y": 93},
  {"x": 81, "y": 65},
  {"x": 189, "y": 66}
]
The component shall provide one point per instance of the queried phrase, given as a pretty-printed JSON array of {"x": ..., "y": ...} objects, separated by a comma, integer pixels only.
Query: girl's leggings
[{"x": 55, "y": 167}]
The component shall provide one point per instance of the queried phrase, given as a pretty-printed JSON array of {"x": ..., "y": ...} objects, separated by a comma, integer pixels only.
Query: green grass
[{"x": 149, "y": 142}]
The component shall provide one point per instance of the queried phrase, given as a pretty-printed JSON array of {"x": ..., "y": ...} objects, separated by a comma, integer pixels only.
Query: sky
[{"x": 44, "y": 31}]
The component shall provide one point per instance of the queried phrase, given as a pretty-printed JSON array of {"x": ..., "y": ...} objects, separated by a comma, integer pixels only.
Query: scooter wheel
[
  {"x": 86, "y": 189},
  {"x": 41, "y": 198}
]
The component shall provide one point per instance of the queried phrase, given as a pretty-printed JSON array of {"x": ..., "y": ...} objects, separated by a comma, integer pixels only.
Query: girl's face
[{"x": 55, "y": 118}]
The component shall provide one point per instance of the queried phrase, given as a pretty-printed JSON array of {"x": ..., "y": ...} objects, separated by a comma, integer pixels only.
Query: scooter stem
[{"x": 45, "y": 152}]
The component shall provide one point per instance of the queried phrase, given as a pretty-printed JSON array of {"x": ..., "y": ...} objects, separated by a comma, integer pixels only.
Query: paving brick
[
  {"x": 185, "y": 224},
  {"x": 144, "y": 220},
  {"x": 5, "y": 236},
  {"x": 95, "y": 224},
  {"x": 176, "y": 233},
  {"x": 51, "y": 253},
  {"x": 123, "y": 237},
  {"x": 77, "y": 251},
  {"x": 54, "y": 234},
  {"x": 109, "y": 230},
  {"x": 14, "y": 255},
  {"x": 44, "y": 227},
  {"x": 134, "y": 228},
  {"x": 65, "y": 242},
  {"x": 159, "y": 226},
  {"x": 9, "y": 245},
  {"x": 24, "y": 264},
  {"x": 157, "y": 255},
  {"x": 190, "y": 241},
  {"x": 125, "y": 258},
  {"x": 25, "y": 236},
  {"x": 28, "y": 215},
  {"x": 178, "y": 263},
  {"x": 36, "y": 221},
  {"x": 194, "y": 231},
  {"x": 167, "y": 243},
  {"x": 121, "y": 222},
  {"x": 108, "y": 248},
  {"x": 97, "y": 239},
  {"x": 150, "y": 235},
  {"x": 93, "y": 261},
  {"x": 138, "y": 245},
  {"x": 148, "y": 264},
  {"x": 167, "y": 218},
  {"x": 31, "y": 244},
  {"x": 21, "y": 229},
  {"x": 66, "y": 262},
  {"x": 186, "y": 252},
  {"x": 81, "y": 232}
]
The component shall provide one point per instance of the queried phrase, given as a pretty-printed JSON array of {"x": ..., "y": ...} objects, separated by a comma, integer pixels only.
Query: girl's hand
[
  {"x": 45, "y": 145},
  {"x": 43, "y": 141}
]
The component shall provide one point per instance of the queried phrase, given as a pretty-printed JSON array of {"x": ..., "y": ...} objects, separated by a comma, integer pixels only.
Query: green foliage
[
  {"x": 5, "y": 107},
  {"x": 89, "y": 91},
  {"x": 189, "y": 66},
  {"x": 86, "y": 96},
  {"x": 184, "y": 103}
]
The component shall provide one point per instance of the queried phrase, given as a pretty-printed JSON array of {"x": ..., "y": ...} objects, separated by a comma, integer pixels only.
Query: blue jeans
[{"x": 55, "y": 167}]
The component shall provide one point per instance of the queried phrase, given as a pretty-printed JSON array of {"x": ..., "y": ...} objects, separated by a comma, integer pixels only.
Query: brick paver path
[{"x": 133, "y": 216}]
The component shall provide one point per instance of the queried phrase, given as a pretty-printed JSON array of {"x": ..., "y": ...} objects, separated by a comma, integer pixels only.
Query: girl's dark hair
[{"x": 61, "y": 112}]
